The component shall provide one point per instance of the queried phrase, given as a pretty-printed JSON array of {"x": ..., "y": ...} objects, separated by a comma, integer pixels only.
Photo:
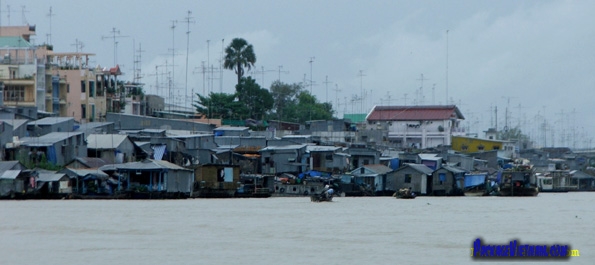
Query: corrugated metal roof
[
  {"x": 105, "y": 141},
  {"x": 149, "y": 164},
  {"x": 85, "y": 172},
  {"x": 416, "y": 113},
  {"x": 378, "y": 169},
  {"x": 50, "y": 120},
  {"x": 48, "y": 139},
  {"x": 454, "y": 169},
  {"x": 355, "y": 118},
  {"x": 10, "y": 174},
  {"x": 421, "y": 168},
  {"x": 321, "y": 148},
  {"x": 15, "y": 123},
  {"x": 283, "y": 147},
  {"x": 231, "y": 128},
  {"x": 48, "y": 177},
  {"x": 8, "y": 165},
  {"x": 91, "y": 162},
  {"x": 14, "y": 42}
]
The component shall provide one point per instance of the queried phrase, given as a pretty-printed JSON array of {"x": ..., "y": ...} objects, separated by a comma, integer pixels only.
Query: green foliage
[
  {"x": 218, "y": 106},
  {"x": 256, "y": 101},
  {"x": 239, "y": 55},
  {"x": 515, "y": 134},
  {"x": 42, "y": 164},
  {"x": 294, "y": 104}
]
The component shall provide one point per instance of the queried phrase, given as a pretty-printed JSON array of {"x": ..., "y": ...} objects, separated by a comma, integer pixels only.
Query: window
[
  {"x": 495, "y": 147},
  {"x": 83, "y": 111},
  {"x": 83, "y": 88},
  {"x": 68, "y": 88},
  {"x": 480, "y": 147},
  {"x": 407, "y": 178},
  {"x": 329, "y": 157},
  {"x": 92, "y": 89},
  {"x": 442, "y": 178},
  {"x": 14, "y": 93}
]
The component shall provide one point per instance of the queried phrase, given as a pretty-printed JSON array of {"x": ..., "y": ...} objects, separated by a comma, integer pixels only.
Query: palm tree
[{"x": 239, "y": 55}]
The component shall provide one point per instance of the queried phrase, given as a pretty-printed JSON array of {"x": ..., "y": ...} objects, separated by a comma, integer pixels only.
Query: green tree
[
  {"x": 284, "y": 96},
  {"x": 218, "y": 106},
  {"x": 239, "y": 55},
  {"x": 306, "y": 107},
  {"x": 257, "y": 101}
]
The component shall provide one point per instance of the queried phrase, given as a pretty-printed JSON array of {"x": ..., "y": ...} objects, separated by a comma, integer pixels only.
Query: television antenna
[
  {"x": 285, "y": 72},
  {"x": 188, "y": 20},
  {"x": 115, "y": 35},
  {"x": 49, "y": 35}
]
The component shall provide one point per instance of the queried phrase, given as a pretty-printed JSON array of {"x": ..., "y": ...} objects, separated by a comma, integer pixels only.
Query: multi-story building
[
  {"x": 85, "y": 89},
  {"x": 418, "y": 126},
  {"x": 22, "y": 68}
]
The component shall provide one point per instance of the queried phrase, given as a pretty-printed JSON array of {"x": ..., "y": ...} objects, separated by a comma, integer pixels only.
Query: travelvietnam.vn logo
[{"x": 514, "y": 249}]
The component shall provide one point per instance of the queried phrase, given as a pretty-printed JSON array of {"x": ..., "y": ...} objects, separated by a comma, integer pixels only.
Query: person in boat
[
  {"x": 329, "y": 192},
  {"x": 410, "y": 192}
]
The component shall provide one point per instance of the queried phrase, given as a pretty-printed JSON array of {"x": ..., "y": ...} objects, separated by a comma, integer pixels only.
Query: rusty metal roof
[{"x": 416, "y": 113}]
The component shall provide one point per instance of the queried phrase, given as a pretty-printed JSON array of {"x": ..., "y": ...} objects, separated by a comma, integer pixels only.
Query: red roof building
[{"x": 418, "y": 126}]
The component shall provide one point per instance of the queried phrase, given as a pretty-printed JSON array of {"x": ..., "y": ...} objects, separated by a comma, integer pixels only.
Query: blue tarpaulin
[
  {"x": 394, "y": 164},
  {"x": 474, "y": 180},
  {"x": 313, "y": 173}
]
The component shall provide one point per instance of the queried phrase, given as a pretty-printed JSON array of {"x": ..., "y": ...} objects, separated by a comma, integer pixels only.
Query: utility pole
[{"x": 114, "y": 37}]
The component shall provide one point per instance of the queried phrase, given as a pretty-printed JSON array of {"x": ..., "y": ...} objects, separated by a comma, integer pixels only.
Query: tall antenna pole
[
  {"x": 173, "y": 56},
  {"x": 23, "y": 11},
  {"x": 203, "y": 79},
  {"x": 78, "y": 44},
  {"x": 326, "y": 82},
  {"x": 420, "y": 100},
  {"x": 114, "y": 36},
  {"x": 208, "y": 64},
  {"x": 221, "y": 66},
  {"x": 187, "y": 20},
  {"x": 311, "y": 80},
  {"x": 50, "y": 15},
  {"x": 138, "y": 62},
  {"x": 285, "y": 72},
  {"x": 446, "y": 102},
  {"x": 337, "y": 90},
  {"x": 361, "y": 87}
]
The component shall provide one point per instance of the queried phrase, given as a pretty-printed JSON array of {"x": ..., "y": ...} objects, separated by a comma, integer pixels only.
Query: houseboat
[{"x": 518, "y": 180}]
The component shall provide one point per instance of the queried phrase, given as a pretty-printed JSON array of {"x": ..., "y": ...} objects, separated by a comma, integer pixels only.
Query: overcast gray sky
[{"x": 534, "y": 58}]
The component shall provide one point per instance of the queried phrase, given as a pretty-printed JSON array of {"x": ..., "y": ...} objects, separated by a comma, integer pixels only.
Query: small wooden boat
[
  {"x": 404, "y": 194},
  {"x": 322, "y": 197}
]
